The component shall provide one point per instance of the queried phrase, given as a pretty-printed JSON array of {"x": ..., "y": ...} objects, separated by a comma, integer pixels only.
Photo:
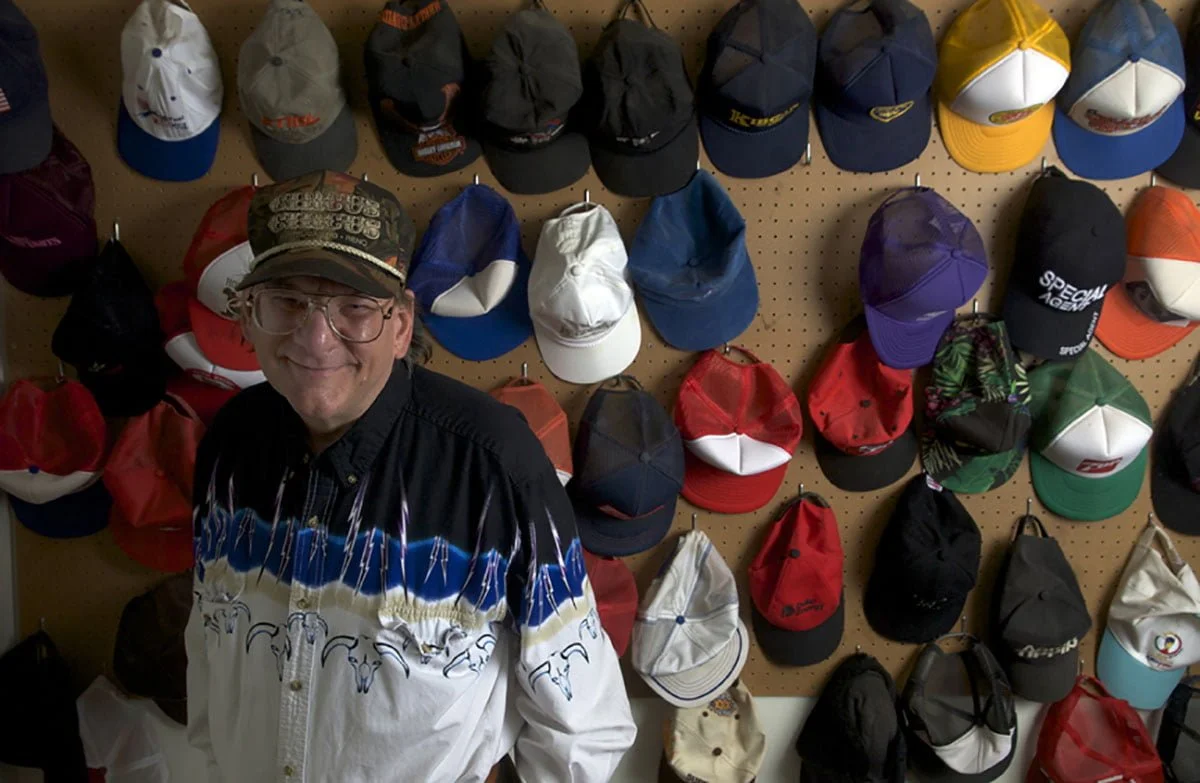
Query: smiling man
[{"x": 389, "y": 585}]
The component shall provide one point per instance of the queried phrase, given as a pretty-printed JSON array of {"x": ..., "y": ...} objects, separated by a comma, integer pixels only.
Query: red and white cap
[
  {"x": 184, "y": 348},
  {"x": 741, "y": 424}
]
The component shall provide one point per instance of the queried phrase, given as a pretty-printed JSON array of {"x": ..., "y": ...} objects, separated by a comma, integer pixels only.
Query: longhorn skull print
[
  {"x": 364, "y": 656},
  {"x": 590, "y": 625},
  {"x": 280, "y": 643},
  {"x": 310, "y": 623},
  {"x": 558, "y": 668},
  {"x": 474, "y": 657},
  {"x": 224, "y": 619}
]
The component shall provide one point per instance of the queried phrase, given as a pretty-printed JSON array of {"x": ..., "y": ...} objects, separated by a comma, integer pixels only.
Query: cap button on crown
[
  {"x": 679, "y": 619},
  {"x": 794, "y": 553},
  {"x": 646, "y": 456},
  {"x": 156, "y": 52},
  {"x": 575, "y": 270},
  {"x": 1043, "y": 595},
  {"x": 276, "y": 60}
]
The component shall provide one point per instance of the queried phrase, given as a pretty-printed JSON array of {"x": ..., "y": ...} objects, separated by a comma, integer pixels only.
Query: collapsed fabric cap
[
  {"x": 796, "y": 585},
  {"x": 47, "y": 221},
  {"x": 26, "y": 128},
  {"x": 721, "y": 740},
  {"x": 289, "y": 85},
  {"x": 471, "y": 276},
  {"x": 149, "y": 659},
  {"x": 1156, "y": 305},
  {"x": 1175, "y": 475},
  {"x": 741, "y": 424},
  {"x": 1121, "y": 111},
  {"x": 976, "y": 407},
  {"x": 417, "y": 65},
  {"x": 1153, "y": 632},
  {"x": 546, "y": 418},
  {"x": 583, "y": 311},
  {"x": 999, "y": 67},
  {"x": 1090, "y": 438},
  {"x": 628, "y": 470},
  {"x": 183, "y": 347},
  {"x": 616, "y": 597},
  {"x": 1183, "y": 167},
  {"x": 875, "y": 70},
  {"x": 863, "y": 414},
  {"x": 531, "y": 83},
  {"x": 921, "y": 259},
  {"x": 755, "y": 88},
  {"x": 1179, "y": 732},
  {"x": 1070, "y": 251},
  {"x": 688, "y": 643},
  {"x": 926, "y": 563},
  {"x": 171, "y": 91}
]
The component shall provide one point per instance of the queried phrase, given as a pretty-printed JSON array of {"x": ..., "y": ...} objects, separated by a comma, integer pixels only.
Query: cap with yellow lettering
[{"x": 999, "y": 67}]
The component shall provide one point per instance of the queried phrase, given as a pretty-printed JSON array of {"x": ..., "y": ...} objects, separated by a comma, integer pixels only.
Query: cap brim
[
  {"x": 134, "y": 389},
  {"x": 715, "y": 321},
  {"x": 756, "y": 154},
  {"x": 1045, "y": 332},
  {"x": 602, "y": 534},
  {"x": 930, "y": 768},
  {"x": 171, "y": 161},
  {"x": 70, "y": 516},
  {"x": 221, "y": 339},
  {"x": 558, "y": 165},
  {"x": 1045, "y": 681},
  {"x": 1129, "y": 333},
  {"x": 990, "y": 150},
  {"x": 1171, "y": 492},
  {"x": 1092, "y": 156},
  {"x": 1183, "y": 167},
  {"x": 868, "y": 472},
  {"x": 728, "y": 493},
  {"x": 398, "y": 144},
  {"x": 333, "y": 150},
  {"x": 598, "y": 361},
  {"x": 327, "y": 265},
  {"x": 637, "y": 175},
  {"x": 169, "y": 550},
  {"x": 492, "y": 334},
  {"x": 698, "y": 686},
  {"x": 893, "y": 614},
  {"x": 799, "y": 648},
  {"x": 26, "y": 140},
  {"x": 1129, "y": 679},
  {"x": 1087, "y": 499},
  {"x": 903, "y": 345},
  {"x": 975, "y": 472},
  {"x": 861, "y": 143}
]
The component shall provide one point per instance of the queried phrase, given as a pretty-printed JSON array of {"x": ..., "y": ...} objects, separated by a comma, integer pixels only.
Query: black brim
[
  {"x": 863, "y": 144},
  {"x": 892, "y": 613},
  {"x": 25, "y": 140},
  {"x": 1044, "y": 680},
  {"x": 421, "y": 154},
  {"x": 326, "y": 265},
  {"x": 867, "y": 473},
  {"x": 756, "y": 154},
  {"x": 1045, "y": 332},
  {"x": 931, "y": 769},
  {"x": 657, "y": 173},
  {"x": 799, "y": 648},
  {"x": 1183, "y": 167},
  {"x": 558, "y": 165},
  {"x": 1175, "y": 502},
  {"x": 608, "y": 536},
  {"x": 333, "y": 150}
]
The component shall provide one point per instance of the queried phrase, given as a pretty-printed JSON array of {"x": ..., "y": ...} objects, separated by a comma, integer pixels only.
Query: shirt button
[
  {"x": 313, "y": 521},
  {"x": 295, "y": 685},
  {"x": 302, "y": 603},
  {"x": 304, "y": 459},
  {"x": 288, "y": 771},
  {"x": 353, "y": 479}
]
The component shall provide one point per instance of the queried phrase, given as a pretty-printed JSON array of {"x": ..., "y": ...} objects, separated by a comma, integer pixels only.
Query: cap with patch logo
[
  {"x": 1175, "y": 475},
  {"x": 721, "y": 740},
  {"x": 26, "y": 128},
  {"x": 1000, "y": 65},
  {"x": 1070, "y": 251},
  {"x": 1121, "y": 113},
  {"x": 1090, "y": 439},
  {"x": 1183, "y": 167},
  {"x": 289, "y": 84},
  {"x": 875, "y": 71},
  {"x": 418, "y": 70}
]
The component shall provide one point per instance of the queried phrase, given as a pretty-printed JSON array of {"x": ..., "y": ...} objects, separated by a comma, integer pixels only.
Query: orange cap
[{"x": 546, "y": 418}]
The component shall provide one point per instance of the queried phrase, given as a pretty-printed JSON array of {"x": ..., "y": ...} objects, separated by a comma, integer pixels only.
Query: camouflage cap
[{"x": 330, "y": 225}]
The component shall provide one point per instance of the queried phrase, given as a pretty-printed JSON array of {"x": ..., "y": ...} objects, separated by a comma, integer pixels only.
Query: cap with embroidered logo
[
  {"x": 1175, "y": 475},
  {"x": 721, "y": 740},
  {"x": 26, "y": 128},
  {"x": 1183, "y": 167}
]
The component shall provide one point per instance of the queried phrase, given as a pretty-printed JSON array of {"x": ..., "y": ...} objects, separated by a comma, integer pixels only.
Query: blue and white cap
[{"x": 471, "y": 276}]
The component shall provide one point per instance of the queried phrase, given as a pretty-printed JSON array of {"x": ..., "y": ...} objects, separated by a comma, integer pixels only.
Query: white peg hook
[
  {"x": 116, "y": 232},
  {"x": 254, "y": 179},
  {"x": 587, "y": 196},
  {"x": 974, "y": 307},
  {"x": 365, "y": 178},
  {"x": 475, "y": 180},
  {"x": 1028, "y": 507},
  {"x": 808, "y": 154},
  {"x": 1043, "y": 164},
  {"x": 1153, "y": 178},
  {"x": 917, "y": 180},
  {"x": 694, "y": 516},
  {"x": 525, "y": 370}
]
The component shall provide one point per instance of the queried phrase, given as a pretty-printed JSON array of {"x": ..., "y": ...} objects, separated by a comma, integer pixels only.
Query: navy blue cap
[
  {"x": 26, "y": 130},
  {"x": 76, "y": 515},
  {"x": 875, "y": 69},
  {"x": 755, "y": 88},
  {"x": 471, "y": 276},
  {"x": 690, "y": 264},
  {"x": 1183, "y": 167}
]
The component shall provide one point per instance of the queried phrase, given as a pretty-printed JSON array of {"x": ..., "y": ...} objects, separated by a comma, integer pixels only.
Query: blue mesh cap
[
  {"x": 921, "y": 259},
  {"x": 471, "y": 276},
  {"x": 1121, "y": 112},
  {"x": 690, "y": 264}
]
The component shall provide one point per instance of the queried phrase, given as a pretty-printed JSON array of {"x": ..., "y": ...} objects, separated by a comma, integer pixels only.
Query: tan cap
[{"x": 719, "y": 741}]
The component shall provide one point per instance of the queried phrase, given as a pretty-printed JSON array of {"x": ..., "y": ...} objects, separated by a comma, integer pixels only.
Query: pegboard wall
[{"x": 804, "y": 229}]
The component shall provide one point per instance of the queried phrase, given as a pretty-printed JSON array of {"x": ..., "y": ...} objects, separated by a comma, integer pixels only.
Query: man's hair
[{"x": 420, "y": 348}]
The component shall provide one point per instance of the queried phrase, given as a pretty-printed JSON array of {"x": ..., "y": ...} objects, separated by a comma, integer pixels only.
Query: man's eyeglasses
[{"x": 354, "y": 318}]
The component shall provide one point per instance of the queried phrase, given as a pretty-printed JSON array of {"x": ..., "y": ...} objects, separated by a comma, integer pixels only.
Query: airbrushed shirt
[{"x": 410, "y": 604}]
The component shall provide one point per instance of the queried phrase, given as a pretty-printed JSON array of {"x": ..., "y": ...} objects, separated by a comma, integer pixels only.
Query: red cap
[
  {"x": 616, "y": 597},
  {"x": 52, "y": 441},
  {"x": 204, "y": 398},
  {"x": 182, "y": 345},
  {"x": 546, "y": 418},
  {"x": 741, "y": 424}
]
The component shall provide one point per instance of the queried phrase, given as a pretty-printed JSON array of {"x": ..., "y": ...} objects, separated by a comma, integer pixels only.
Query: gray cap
[{"x": 290, "y": 88}]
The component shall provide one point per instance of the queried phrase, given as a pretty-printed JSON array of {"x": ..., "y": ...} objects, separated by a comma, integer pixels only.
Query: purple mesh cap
[{"x": 921, "y": 260}]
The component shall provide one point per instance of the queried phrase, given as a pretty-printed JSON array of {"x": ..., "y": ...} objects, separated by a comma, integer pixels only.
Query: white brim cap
[
  {"x": 595, "y": 360},
  {"x": 700, "y": 685}
]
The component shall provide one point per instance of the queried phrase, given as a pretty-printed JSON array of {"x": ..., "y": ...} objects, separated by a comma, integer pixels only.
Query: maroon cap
[
  {"x": 47, "y": 222},
  {"x": 616, "y": 597}
]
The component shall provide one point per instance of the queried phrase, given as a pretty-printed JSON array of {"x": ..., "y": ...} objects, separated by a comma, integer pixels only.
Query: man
[{"x": 389, "y": 585}]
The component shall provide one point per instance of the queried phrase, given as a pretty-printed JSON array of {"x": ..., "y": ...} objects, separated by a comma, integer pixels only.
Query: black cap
[
  {"x": 755, "y": 87},
  {"x": 639, "y": 110},
  {"x": 40, "y": 728},
  {"x": 1070, "y": 251},
  {"x": 628, "y": 460},
  {"x": 531, "y": 82},
  {"x": 111, "y": 334},
  {"x": 854, "y": 732},
  {"x": 1175, "y": 476},
  {"x": 1183, "y": 167},
  {"x": 1179, "y": 733},
  {"x": 926, "y": 563},
  {"x": 417, "y": 83},
  {"x": 1039, "y": 616},
  {"x": 149, "y": 658},
  {"x": 26, "y": 128}
]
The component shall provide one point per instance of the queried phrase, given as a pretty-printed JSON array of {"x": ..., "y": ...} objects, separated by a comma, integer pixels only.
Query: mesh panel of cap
[
  {"x": 958, "y": 691},
  {"x": 740, "y": 50}
]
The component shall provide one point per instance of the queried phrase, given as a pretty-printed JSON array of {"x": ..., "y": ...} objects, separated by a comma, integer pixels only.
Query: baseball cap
[
  {"x": 25, "y": 123},
  {"x": 1154, "y": 307},
  {"x": 182, "y": 345},
  {"x": 149, "y": 659},
  {"x": 417, "y": 66},
  {"x": 959, "y": 715},
  {"x": 926, "y": 563},
  {"x": 976, "y": 407},
  {"x": 688, "y": 643},
  {"x": 690, "y": 264},
  {"x": 546, "y": 418},
  {"x": 1000, "y": 65},
  {"x": 47, "y": 223},
  {"x": 1121, "y": 112},
  {"x": 639, "y": 109},
  {"x": 168, "y": 125},
  {"x": 289, "y": 85},
  {"x": 1070, "y": 251},
  {"x": 853, "y": 733},
  {"x": 628, "y": 470},
  {"x": 584, "y": 316},
  {"x": 1175, "y": 475},
  {"x": 1179, "y": 733},
  {"x": 531, "y": 83},
  {"x": 862, "y": 411},
  {"x": 616, "y": 597},
  {"x": 754, "y": 90},
  {"x": 1090, "y": 438},
  {"x": 330, "y": 225},
  {"x": 1039, "y": 615},
  {"x": 204, "y": 398},
  {"x": 471, "y": 276},
  {"x": 875, "y": 70},
  {"x": 1183, "y": 167},
  {"x": 796, "y": 585},
  {"x": 921, "y": 259},
  {"x": 1153, "y": 631},
  {"x": 721, "y": 740}
]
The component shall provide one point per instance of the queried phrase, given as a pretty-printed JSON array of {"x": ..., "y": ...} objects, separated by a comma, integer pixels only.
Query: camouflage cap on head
[{"x": 334, "y": 226}]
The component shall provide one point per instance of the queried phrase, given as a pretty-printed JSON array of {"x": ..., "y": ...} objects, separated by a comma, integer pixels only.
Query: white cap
[
  {"x": 222, "y": 273},
  {"x": 583, "y": 310},
  {"x": 1011, "y": 89},
  {"x": 185, "y": 351},
  {"x": 721, "y": 740}
]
